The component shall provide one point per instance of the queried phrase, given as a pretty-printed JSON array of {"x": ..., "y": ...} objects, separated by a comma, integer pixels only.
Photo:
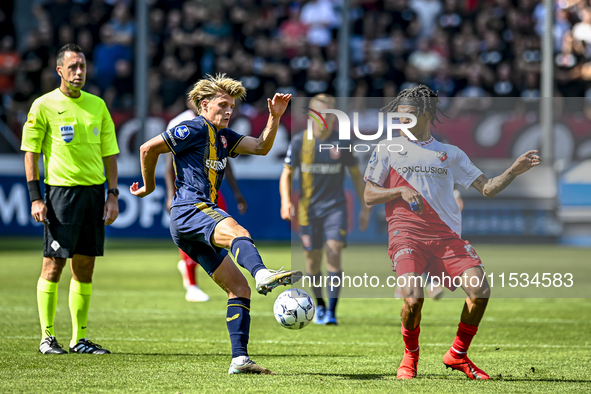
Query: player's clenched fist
[{"x": 413, "y": 198}]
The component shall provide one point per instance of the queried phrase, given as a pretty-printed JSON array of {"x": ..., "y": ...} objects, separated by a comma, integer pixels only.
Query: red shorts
[{"x": 450, "y": 257}]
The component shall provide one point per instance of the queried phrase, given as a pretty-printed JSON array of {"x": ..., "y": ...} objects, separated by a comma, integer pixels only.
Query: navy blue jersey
[
  {"x": 322, "y": 174},
  {"x": 200, "y": 156}
]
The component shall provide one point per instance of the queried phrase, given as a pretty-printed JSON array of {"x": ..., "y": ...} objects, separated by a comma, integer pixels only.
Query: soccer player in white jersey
[{"x": 424, "y": 222}]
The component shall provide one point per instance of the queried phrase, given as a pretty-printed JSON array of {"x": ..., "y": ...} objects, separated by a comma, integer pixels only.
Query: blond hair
[
  {"x": 326, "y": 99},
  {"x": 212, "y": 87}
]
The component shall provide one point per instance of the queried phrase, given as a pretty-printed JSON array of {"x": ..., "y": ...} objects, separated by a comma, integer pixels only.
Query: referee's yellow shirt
[{"x": 74, "y": 135}]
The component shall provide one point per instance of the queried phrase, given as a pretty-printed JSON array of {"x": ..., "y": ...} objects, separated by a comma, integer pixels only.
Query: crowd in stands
[{"x": 463, "y": 48}]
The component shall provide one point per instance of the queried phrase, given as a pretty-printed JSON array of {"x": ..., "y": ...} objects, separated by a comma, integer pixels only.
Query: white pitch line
[
  {"x": 323, "y": 343},
  {"x": 221, "y": 312}
]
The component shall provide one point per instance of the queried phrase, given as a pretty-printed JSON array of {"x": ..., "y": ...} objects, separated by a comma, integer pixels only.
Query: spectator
[
  {"x": 9, "y": 63},
  {"x": 122, "y": 25},
  {"x": 106, "y": 55},
  {"x": 320, "y": 18}
]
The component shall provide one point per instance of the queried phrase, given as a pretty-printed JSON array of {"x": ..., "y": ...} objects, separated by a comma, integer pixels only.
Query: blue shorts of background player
[
  {"x": 330, "y": 227},
  {"x": 329, "y": 232}
]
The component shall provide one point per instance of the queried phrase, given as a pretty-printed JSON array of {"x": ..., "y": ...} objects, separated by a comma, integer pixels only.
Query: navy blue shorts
[
  {"x": 330, "y": 227},
  {"x": 192, "y": 226}
]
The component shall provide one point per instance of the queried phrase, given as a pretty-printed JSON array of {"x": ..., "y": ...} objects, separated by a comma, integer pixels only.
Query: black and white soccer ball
[{"x": 294, "y": 309}]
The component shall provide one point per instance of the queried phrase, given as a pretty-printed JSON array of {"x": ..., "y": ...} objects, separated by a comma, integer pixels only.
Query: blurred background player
[
  {"x": 187, "y": 267},
  {"x": 424, "y": 222},
  {"x": 201, "y": 149},
  {"x": 76, "y": 134},
  {"x": 322, "y": 207}
]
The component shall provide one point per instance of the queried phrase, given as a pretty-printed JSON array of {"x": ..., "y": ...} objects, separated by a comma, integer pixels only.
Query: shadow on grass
[
  {"x": 392, "y": 376},
  {"x": 252, "y": 355}
]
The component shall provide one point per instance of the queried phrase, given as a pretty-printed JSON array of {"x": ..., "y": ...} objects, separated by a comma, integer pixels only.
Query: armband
[{"x": 34, "y": 190}]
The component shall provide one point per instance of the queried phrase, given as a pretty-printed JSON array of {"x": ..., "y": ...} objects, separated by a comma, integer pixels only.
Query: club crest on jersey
[
  {"x": 181, "y": 132},
  {"x": 442, "y": 155},
  {"x": 470, "y": 250},
  {"x": 306, "y": 241},
  {"x": 374, "y": 158},
  {"x": 334, "y": 153},
  {"x": 67, "y": 133},
  {"x": 224, "y": 141}
]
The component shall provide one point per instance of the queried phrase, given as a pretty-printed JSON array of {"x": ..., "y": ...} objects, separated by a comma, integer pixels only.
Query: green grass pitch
[{"x": 164, "y": 344}]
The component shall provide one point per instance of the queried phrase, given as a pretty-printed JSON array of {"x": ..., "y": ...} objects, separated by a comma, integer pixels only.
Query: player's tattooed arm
[
  {"x": 375, "y": 194},
  {"x": 491, "y": 187}
]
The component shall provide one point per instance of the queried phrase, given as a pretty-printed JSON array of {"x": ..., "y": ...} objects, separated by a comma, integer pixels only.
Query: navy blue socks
[
  {"x": 316, "y": 284},
  {"x": 238, "y": 322},
  {"x": 247, "y": 255},
  {"x": 333, "y": 292}
]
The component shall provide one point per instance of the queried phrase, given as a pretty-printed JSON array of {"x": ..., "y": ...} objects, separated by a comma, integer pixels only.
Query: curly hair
[
  {"x": 212, "y": 87},
  {"x": 421, "y": 97}
]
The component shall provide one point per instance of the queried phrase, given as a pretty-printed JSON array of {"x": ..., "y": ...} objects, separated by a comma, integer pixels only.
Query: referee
[{"x": 76, "y": 134}]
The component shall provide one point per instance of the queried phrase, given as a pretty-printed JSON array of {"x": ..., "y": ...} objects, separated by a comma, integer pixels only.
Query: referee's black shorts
[{"x": 76, "y": 224}]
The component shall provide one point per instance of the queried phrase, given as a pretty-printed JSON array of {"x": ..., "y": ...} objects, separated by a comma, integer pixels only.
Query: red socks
[
  {"x": 411, "y": 339},
  {"x": 191, "y": 266},
  {"x": 463, "y": 339}
]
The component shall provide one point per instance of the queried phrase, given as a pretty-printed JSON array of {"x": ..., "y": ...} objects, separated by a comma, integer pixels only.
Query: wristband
[{"x": 34, "y": 190}]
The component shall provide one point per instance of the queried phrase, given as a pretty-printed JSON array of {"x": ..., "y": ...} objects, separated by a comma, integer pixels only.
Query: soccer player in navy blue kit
[
  {"x": 201, "y": 148},
  {"x": 322, "y": 208}
]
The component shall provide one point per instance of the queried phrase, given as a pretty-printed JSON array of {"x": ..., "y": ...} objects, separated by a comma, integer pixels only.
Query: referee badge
[
  {"x": 181, "y": 132},
  {"x": 67, "y": 133}
]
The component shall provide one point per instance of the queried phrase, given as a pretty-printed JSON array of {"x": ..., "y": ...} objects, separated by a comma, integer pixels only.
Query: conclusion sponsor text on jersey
[
  {"x": 322, "y": 174},
  {"x": 432, "y": 169},
  {"x": 200, "y": 156}
]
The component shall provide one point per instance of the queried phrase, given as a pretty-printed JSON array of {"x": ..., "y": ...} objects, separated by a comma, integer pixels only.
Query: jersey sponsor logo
[
  {"x": 67, "y": 133},
  {"x": 442, "y": 155},
  {"x": 95, "y": 131},
  {"x": 470, "y": 250},
  {"x": 403, "y": 154},
  {"x": 217, "y": 165},
  {"x": 172, "y": 140},
  {"x": 334, "y": 153},
  {"x": 421, "y": 169},
  {"x": 224, "y": 141},
  {"x": 321, "y": 168},
  {"x": 181, "y": 132}
]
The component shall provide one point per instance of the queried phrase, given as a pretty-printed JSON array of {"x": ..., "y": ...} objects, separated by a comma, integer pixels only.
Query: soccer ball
[{"x": 294, "y": 309}]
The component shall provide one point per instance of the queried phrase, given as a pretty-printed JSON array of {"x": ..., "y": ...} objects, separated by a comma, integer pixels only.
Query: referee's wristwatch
[{"x": 114, "y": 192}]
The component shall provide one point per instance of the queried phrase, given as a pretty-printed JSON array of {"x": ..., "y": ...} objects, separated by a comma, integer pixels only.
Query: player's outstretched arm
[
  {"x": 375, "y": 194},
  {"x": 285, "y": 192},
  {"x": 262, "y": 145},
  {"x": 149, "y": 153},
  {"x": 491, "y": 187}
]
